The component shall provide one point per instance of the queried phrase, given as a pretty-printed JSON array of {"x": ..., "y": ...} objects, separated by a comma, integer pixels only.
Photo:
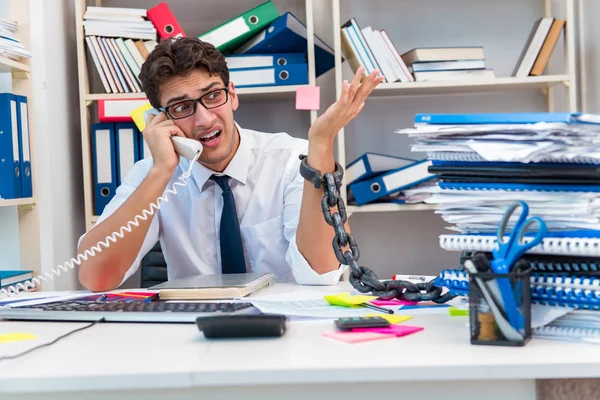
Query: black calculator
[{"x": 361, "y": 322}]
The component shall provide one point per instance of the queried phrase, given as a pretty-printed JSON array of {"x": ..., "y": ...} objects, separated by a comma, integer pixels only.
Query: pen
[{"x": 383, "y": 310}]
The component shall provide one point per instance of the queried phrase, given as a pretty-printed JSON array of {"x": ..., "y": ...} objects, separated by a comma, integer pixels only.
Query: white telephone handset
[{"x": 185, "y": 147}]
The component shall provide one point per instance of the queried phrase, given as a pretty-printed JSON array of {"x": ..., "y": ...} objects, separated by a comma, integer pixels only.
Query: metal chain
[{"x": 362, "y": 278}]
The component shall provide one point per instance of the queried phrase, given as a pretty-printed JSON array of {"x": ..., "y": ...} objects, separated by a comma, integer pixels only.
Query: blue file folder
[
  {"x": 371, "y": 164},
  {"x": 242, "y": 61},
  {"x": 11, "y": 186},
  {"x": 104, "y": 165},
  {"x": 375, "y": 188},
  {"x": 24, "y": 147},
  {"x": 494, "y": 118},
  {"x": 293, "y": 74},
  {"x": 127, "y": 148},
  {"x": 287, "y": 34}
]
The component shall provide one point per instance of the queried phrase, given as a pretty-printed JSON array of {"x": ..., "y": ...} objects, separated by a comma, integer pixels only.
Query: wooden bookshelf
[
  {"x": 8, "y": 65},
  {"x": 546, "y": 83},
  {"x": 28, "y": 201}
]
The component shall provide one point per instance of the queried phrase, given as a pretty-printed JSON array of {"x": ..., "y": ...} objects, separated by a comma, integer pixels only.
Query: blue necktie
[{"x": 232, "y": 250}]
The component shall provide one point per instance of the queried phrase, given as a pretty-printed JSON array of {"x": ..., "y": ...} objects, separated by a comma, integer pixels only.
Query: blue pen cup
[{"x": 489, "y": 321}]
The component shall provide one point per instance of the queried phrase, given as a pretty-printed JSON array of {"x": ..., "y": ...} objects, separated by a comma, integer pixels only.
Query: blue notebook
[{"x": 499, "y": 118}]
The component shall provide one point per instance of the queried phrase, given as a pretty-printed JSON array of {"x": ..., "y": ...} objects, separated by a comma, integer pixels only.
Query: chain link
[{"x": 362, "y": 278}]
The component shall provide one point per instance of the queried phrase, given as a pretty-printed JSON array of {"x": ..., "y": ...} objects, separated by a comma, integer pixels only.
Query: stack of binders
[
  {"x": 15, "y": 158},
  {"x": 116, "y": 147},
  {"x": 264, "y": 48},
  {"x": 548, "y": 160}
]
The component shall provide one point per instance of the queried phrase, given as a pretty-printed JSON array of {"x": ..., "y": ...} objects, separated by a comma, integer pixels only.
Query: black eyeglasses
[{"x": 185, "y": 108}]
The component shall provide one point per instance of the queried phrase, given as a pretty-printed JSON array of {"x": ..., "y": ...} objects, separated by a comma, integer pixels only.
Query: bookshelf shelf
[
  {"x": 270, "y": 92},
  {"x": 28, "y": 201},
  {"x": 7, "y": 65},
  {"x": 482, "y": 85},
  {"x": 387, "y": 207}
]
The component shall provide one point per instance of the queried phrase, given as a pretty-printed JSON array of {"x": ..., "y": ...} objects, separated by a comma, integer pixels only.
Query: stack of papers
[{"x": 10, "y": 47}]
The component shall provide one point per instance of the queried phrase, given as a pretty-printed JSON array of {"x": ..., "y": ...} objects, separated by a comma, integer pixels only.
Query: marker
[{"x": 383, "y": 310}]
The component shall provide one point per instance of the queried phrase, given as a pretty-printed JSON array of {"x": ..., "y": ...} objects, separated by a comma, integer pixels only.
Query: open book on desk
[{"x": 214, "y": 287}]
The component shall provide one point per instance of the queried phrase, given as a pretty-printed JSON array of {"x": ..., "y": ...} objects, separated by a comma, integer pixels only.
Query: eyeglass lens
[{"x": 210, "y": 100}]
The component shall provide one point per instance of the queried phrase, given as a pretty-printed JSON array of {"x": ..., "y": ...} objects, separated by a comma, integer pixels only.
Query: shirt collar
[{"x": 237, "y": 167}]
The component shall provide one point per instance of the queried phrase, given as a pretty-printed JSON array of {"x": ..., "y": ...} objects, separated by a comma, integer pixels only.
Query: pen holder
[{"x": 489, "y": 323}]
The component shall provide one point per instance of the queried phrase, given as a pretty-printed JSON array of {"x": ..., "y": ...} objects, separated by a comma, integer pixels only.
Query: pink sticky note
[
  {"x": 355, "y": 337},
  {"x": 393, "y": 302},
  {"x": 397, "y": 330},
  {"x": 308, "y": 98}
]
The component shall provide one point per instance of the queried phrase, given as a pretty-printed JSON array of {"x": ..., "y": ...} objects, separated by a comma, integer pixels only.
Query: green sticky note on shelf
[
  {"x": 345, "y": 300},
  {"x": 16, "y": 337},
  {"x": 308, "y": 98}
]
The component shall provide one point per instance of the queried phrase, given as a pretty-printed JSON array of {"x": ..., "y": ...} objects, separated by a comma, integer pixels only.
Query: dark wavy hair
[{"x": 178, "y": 57}]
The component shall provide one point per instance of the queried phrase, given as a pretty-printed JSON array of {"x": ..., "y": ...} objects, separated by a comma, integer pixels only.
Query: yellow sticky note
[
  {"x": 392, "y": 319},
  {"x": 16, "y": 337},
  {"x": 345, "y": 300},
  {"x": 139, "y": 115}
]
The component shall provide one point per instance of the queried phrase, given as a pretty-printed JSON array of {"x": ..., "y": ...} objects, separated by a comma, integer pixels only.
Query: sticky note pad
[
  {"x": 397, "y": 330},
  {"x": 457, "y": 312},
  {"x": 16, "y": 337},
  {"x": 140, "y": 114},
  {"x": 392, "y": 319},
  {"x": 308, "y": 98},
  {"x": 345, "y": 300},
  {"x": 355, "y": 337}
]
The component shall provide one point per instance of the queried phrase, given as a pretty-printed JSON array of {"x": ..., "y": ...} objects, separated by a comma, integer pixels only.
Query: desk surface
[{"x": 160, "y": 356}]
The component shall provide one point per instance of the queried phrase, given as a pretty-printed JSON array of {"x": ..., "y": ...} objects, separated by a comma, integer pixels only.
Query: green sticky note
[
  {"x": 457, "y": 312},
  {"x": 345, "y": 300}
]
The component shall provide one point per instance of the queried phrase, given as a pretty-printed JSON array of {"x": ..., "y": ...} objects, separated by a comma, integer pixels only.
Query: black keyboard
[
  {"x": 125, "y": 311},
  {"x": 155, "y": 306}
]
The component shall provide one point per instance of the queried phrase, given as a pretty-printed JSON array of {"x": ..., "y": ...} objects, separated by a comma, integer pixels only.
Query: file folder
[
  {"x": 24, "y": 147},
  {"x": 11, "y": 186},
  {"x": 287, "y": 34},
  {"x": 104, "y": 165},
  {"x": 371, "y": 164},
  {"x": 391, "y": 182},
  {"x": 242, "y": 61},
  {"x": 231, "y": 34},
  {"x": 127, "y": 147},
  {"x": 118, "y": 110},
  {"x": 144, "y": 150},
  {"x": 293, "y": 74},
  {"x": 164, "y": 21}
]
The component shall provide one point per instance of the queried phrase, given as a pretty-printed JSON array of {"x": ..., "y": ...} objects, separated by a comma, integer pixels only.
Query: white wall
[{"x": 58, "y": 143}]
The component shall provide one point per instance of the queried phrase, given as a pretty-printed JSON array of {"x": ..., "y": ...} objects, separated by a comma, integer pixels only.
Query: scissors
[{"x": 510, "y": 251}]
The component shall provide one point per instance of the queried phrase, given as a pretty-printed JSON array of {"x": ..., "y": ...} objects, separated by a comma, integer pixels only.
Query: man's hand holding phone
[{"x": 157, "y": 135}]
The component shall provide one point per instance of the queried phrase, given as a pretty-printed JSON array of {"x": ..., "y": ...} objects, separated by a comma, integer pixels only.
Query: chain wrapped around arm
[{"x": 362, "y": 278}]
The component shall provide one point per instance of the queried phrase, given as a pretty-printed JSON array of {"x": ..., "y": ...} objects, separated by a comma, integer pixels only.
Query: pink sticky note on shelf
[
  {"x": 355, "y": 337},
  {"x": 393, "y": 302},
  {"x": 396, "y": 330},
  {"x": 308, "y": 98}
]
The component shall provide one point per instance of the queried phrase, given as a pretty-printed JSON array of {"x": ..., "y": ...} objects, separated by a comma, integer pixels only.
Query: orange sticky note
[{"x": 308, "y": 98}]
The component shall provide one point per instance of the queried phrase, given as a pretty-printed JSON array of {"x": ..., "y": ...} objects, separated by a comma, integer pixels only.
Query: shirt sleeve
[
  {"x": 132, "y": 180},
  {"x": 301, "y": 269}
]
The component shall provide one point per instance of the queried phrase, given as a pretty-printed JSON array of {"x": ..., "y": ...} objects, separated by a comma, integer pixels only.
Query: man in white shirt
[{"x": 246, "y": 178}]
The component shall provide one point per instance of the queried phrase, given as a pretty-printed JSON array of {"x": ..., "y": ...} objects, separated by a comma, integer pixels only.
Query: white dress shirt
[{"x": 267, "y": 187}]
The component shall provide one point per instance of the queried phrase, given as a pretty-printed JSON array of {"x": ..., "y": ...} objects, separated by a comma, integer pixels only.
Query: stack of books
[
  {"x": 539, "y": 47},
  {"x": 119, "y": 40},
  {"x": 381, "y": 178},
  {"x": 447, "y": 63},
  {"x": 10, "y": 47}
]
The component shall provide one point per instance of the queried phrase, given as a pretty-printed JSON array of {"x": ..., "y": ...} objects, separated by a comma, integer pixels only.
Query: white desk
[{"x": 158, "y": 361}]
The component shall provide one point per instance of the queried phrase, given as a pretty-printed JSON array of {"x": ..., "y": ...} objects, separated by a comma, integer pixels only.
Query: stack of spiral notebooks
[{"x": 551, "y": 161}]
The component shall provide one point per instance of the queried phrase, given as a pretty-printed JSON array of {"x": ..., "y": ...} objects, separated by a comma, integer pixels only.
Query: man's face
[{"x": 213, "y": 127}]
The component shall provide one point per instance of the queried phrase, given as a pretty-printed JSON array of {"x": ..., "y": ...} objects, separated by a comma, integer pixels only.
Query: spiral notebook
[
  {"x": 475, "y": 157},
  {"x": 555, "y": 290},
  {"x": 576, "y": 326},
  {"x": 586, "y": 244},
  {"x": 552, "y": 264}
]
